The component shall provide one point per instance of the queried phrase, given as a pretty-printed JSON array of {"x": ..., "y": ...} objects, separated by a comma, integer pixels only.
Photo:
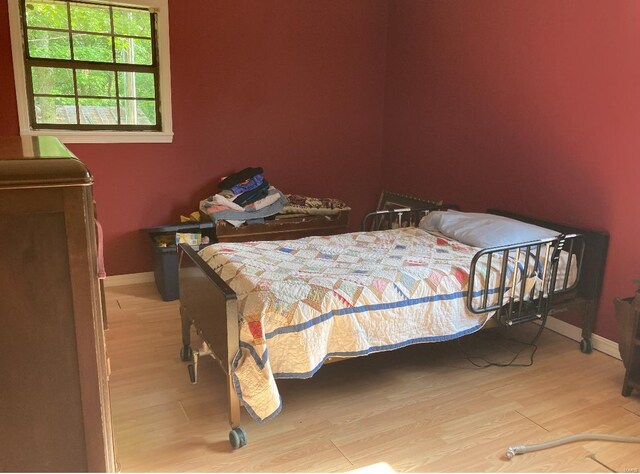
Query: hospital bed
[{"x": 282, "y": 309}]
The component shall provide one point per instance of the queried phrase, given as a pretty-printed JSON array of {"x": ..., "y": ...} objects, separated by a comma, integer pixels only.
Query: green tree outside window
[{"x": 90, "y": 66}]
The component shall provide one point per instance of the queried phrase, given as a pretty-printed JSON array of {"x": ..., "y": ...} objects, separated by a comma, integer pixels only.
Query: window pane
[
  {"x": 136, "y": 84},
  {"x": 138, "y": 112},
  {"x": 96, "y": 83},
  {"x": 91, "y": 18},
  {"x": 49, "y": 15},
  {"x": 49, "y": 44},
  {"x": 133, "y": 51},
  {"x": 55, "y": 110},
  {"x": 132, "y": 22},
  {"x": 86, "y": 44},
  {"x": 98, "y": 111},
  {"x": 52, "y": 80},
  {"x": 92, "y": 48}
]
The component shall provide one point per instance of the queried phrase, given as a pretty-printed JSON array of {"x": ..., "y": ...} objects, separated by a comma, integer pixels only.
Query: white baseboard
[
  {"x": 129, "y": 279},
  {"x": 599, "y": 343}
]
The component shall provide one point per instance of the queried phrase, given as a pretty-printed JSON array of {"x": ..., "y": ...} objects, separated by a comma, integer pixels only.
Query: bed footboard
[{"x": 208, "y": 303}]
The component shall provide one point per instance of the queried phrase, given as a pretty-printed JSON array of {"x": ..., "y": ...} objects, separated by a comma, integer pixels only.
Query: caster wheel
[
  {"x": 186, "y": 354},
  {"x": 237, "y": 438},
  {"x": 585, "y": 346},
  {"x": 192, "y": 373}
]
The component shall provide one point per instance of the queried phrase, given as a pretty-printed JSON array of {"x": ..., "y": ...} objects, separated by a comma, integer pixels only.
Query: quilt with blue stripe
[{"x": 302, "y": 301}]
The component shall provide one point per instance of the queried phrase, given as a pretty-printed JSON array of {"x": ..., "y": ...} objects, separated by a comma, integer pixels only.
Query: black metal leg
[
  {"x": 626, "y": 387},
  {"x": 186, "y": 328},
  {"x": 588, "y": 319},
  {"x": 185, "y": 352}
]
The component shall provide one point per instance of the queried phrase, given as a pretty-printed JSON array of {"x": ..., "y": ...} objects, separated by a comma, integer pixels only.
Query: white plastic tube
[{"x": 513, "y": 450}]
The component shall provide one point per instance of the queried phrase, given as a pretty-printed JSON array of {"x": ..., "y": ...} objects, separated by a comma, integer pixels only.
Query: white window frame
[{"x": 161, "y": 8}]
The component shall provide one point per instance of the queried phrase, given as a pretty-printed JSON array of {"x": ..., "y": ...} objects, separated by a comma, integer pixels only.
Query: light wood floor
[{"x": 424, "y": 408}]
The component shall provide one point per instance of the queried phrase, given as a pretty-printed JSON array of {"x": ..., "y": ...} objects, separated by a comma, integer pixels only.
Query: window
[{"x": 88, "y": 71}]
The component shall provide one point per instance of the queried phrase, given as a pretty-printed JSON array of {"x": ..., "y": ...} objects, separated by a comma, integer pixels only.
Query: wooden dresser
[{"x": 54, "y": 396}]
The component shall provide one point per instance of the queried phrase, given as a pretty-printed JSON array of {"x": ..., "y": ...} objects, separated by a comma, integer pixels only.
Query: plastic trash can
[{"x": 165, "y": 254}]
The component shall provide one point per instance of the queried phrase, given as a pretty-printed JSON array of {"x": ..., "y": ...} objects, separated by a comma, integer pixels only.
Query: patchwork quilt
[{"x": 302, "y": 301}]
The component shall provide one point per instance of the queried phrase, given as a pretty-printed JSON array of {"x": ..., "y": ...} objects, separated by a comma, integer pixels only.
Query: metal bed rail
[
  {"x": 526, "y": 279},
  {"x": 521, "y": 296}
]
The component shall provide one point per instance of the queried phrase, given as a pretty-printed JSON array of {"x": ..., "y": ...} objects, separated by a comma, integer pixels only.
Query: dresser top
[{"x": 39, "y": 161}]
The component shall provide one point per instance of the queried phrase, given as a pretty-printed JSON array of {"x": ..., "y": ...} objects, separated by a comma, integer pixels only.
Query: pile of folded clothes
[{"x": 244, "y": 197}]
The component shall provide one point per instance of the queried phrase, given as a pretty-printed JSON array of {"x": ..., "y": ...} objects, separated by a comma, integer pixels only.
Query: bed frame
[{"x": 209, "y": 304}]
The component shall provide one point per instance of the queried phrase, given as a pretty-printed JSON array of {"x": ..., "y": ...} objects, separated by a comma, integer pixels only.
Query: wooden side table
[
  {"x": 284, "y": 229},
  {"x": 165, "y": 258},
  {"x": 628, "y": 324}
]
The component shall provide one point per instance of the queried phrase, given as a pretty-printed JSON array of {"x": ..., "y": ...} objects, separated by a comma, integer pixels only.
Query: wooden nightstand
[
  {"x": 165, "y": 257},
  {"x": 284, "y": 228}
]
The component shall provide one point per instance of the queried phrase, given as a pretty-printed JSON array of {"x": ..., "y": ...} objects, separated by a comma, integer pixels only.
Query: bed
[{"x": 282, "y": 309}]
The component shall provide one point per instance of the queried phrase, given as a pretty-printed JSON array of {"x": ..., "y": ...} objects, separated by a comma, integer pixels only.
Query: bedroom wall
[
  {"x": 293, "y": 86},
  {"x": 529, "y": 106},
  {"x": 8, "y": 110}
]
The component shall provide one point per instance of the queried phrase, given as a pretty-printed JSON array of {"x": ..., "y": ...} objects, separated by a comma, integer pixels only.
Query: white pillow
[{"x": 483, "y": 230}]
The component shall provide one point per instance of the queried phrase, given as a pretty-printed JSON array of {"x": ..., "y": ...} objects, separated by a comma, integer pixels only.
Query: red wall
[
  {"x": 8, "y": 111},
  {"x": 532, "y": 106},
  {"x": 293, "y": 86}
]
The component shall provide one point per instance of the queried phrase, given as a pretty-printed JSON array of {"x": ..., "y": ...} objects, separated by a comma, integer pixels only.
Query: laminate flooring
[{"x": 424, "y": 408}]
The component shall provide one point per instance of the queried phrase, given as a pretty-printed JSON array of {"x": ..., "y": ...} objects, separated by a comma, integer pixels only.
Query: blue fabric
[
  {"x": 248, "y": 185},
  {"x": 252, "y": 196}
]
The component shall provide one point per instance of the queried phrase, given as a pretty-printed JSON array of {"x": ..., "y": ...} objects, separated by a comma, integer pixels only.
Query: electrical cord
[
  {"x": 511, "y": 363},
  {"x": 521, "y": 449}
]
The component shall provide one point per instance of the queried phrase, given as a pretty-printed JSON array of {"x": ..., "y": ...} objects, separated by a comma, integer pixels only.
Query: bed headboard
[
  {"x": 595, "y": 254},
  {"x": 402, "y": 217}
]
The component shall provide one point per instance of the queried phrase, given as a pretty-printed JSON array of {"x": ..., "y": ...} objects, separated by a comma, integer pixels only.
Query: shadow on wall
[{"x": 121, "y": 245}]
